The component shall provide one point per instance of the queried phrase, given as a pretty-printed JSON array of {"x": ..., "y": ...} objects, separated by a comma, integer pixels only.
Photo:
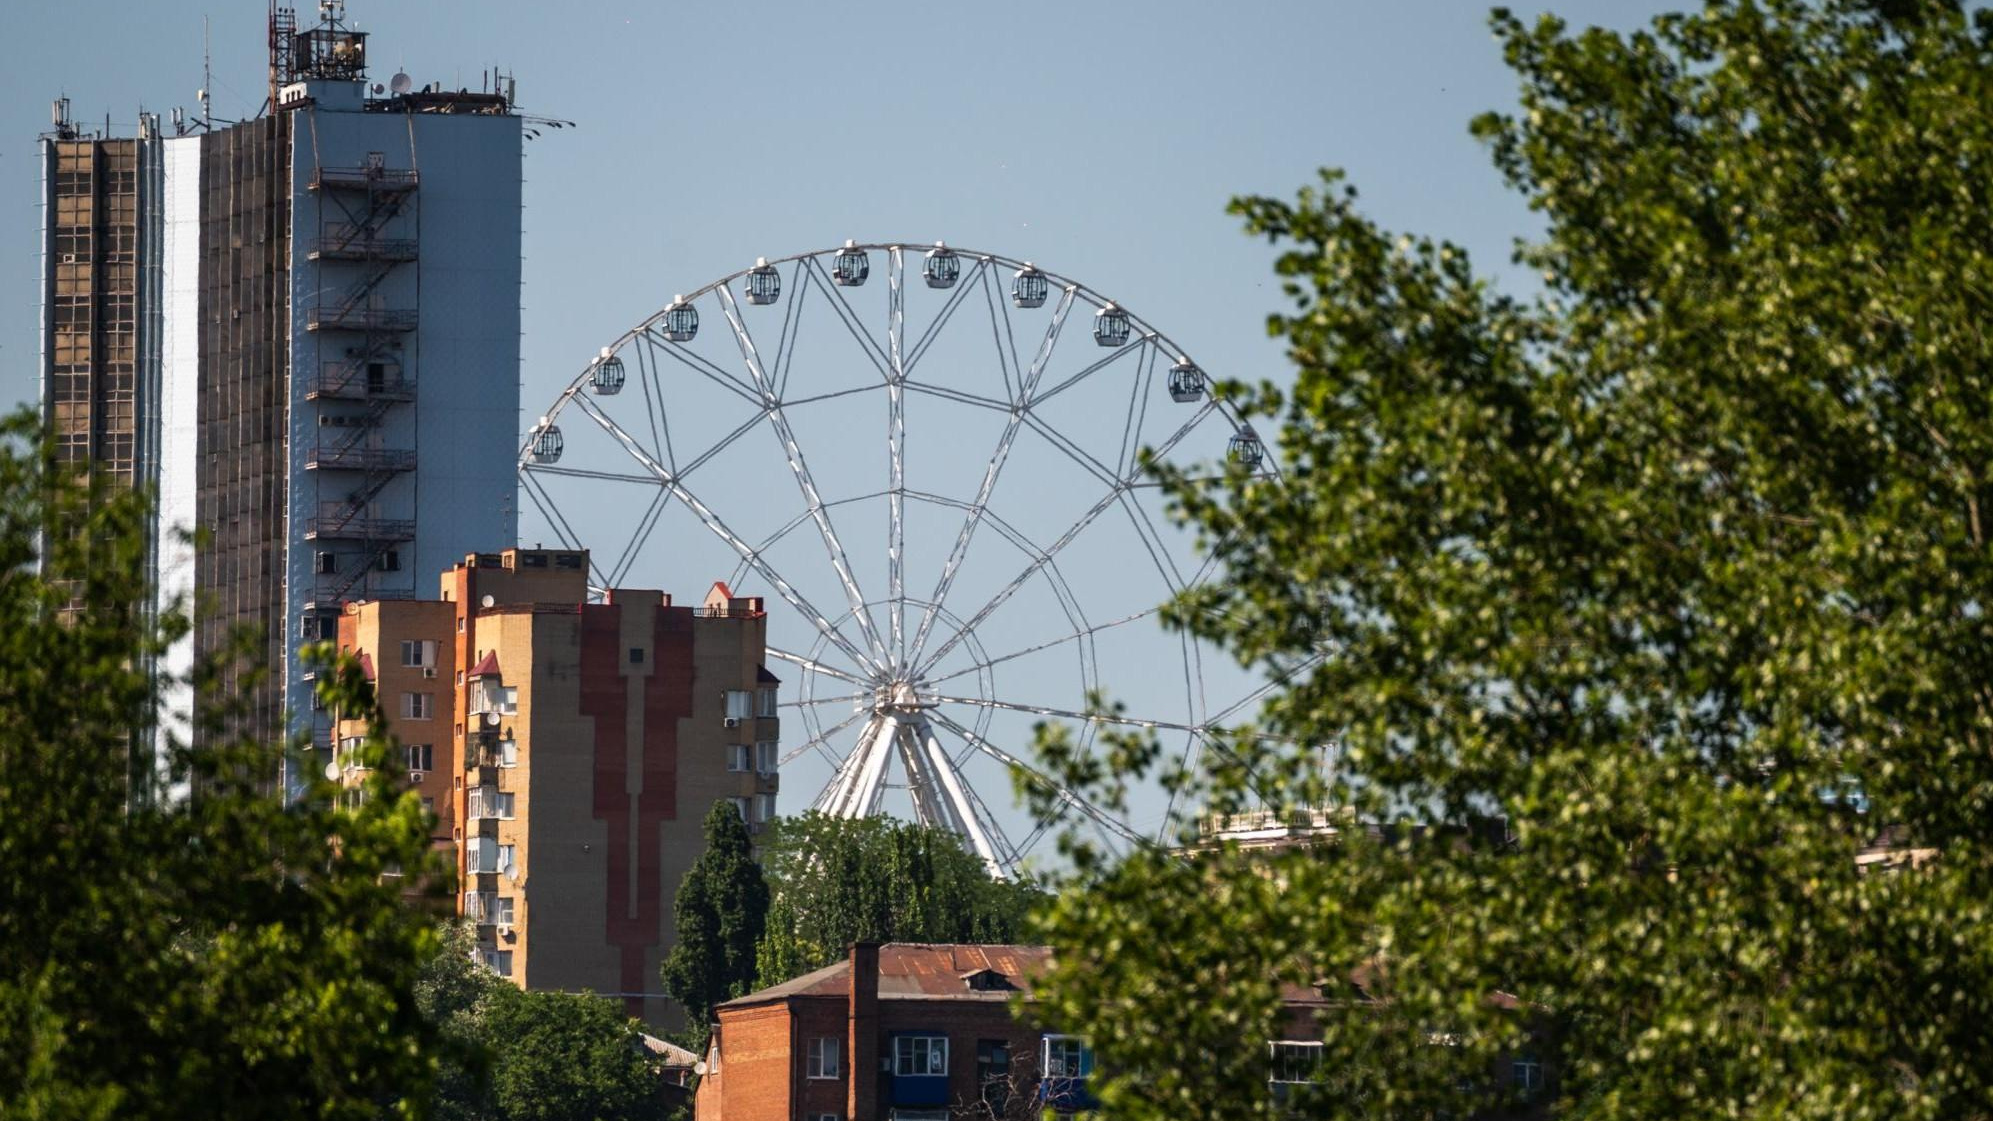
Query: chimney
[{"x": 863, "y": 1046}]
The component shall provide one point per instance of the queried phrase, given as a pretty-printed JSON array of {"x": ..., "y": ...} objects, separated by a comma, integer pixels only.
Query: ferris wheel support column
[{"x": 966, "y": 822}]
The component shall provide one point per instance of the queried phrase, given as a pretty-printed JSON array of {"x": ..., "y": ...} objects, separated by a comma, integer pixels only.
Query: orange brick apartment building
[{"x": 570, "y": 751}]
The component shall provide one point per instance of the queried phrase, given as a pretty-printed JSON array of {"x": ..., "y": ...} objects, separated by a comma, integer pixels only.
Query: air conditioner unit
[
  {"x": 733, "y": 722},
  {"x": 429, "y": 671},
  {"x": 417, "y": 776}
]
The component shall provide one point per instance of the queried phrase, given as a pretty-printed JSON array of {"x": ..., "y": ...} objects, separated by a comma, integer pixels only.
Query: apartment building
[{"x": 570, "y": 750}]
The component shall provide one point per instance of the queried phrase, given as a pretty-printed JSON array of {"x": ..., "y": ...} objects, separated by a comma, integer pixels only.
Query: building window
[
  {"x": 1294, "y": 1063},
  {"x": 390, "y": 561},
  {"x": 508, "y": 753},
  {"x": 418, "y": 653},
  {"x": 737, "y": 757},
  {"x": 418, "y": 706},
  {"x": 993, "y": 1074},
  {"x": 764, "y": 807},
  {"x": 636, "y": 655},
  {"x": 822, "y": 1060},
  {"x": 501, "y": 910},
  {"x": 767, "y": 756},
  {"x": 920, "y": 1056},
  {"x": 488, "y": 856},
  {"x": 1067, "y": 1056},
  {"x": 498, "y": 961},
  {"x": 767, "y": 703},
  {"x": 1526, "y": 1074},
  {"x": 421, "y": 756},
  {"x": 740, "y": 807},
  {"x": 488, "y": 802},
  {"x": 826, "y": 1117},
  {"x": 740, "y": 706},
  {"x": 567, "y": 560},
  {"x": 328, "y": 563},
  {"x": 509, "y": 701}
]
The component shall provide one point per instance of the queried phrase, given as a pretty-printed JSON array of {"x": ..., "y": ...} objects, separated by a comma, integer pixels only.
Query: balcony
[
  {"x": 356, "y": 246},
  {"x": 353, "y": 381},
  {"x": 364, "y": 178},
  {"x": 335, "y": 458},
  {"x": 361, "y": 319},
  {"x": 344, "y": 525}
]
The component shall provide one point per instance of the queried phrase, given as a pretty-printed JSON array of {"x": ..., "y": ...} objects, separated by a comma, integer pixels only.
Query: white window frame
[
  {"x": 503, "y": 909},
  {"x": 764, "y": 807},
  {"x": 739, "y": 705},
  {"x": 739, "y": 758},
  {"x": 418, "y": 706},
  {"x": 1079, "y": 1060},
  {"x": 419, "y": 756},
  {"x": 907, "y": 1047},
  {"x": 508, "y": 752},
  {"x": 822, "y": 1059},
  {"x": 498, "y": 961},
  {"x": 422, "y": 650},
  {"x": 1526, "y": 1073},
  {"x": 767, "y": 756},
  {"x": 482, "y": 855},
  {"x": 767, "y": 703},
  {"x": 742, "y": 805},
  {"x": 1279, "y": 1049}
]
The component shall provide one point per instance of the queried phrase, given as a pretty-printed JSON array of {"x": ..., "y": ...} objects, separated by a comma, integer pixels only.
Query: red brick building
[{"x": 570, "y": 750}]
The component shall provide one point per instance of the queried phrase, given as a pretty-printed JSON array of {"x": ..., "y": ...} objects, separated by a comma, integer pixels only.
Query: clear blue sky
[{"x": 1100, "y": 140}]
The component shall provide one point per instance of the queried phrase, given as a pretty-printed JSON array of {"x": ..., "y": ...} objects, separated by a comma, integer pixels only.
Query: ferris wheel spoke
[
  {"x": 1076, "y": 636},
  {"x": 980, "y": 507},
  {"x": 1141, "y": 346},
  {"x": 1073, "y": 451},
  {"x": 1065, "y": 714},
  {"x": 896, "y": 472},
  {"x": 875, "y": 353},
  {"x": 848, "y": 698},
  {"x": 792, "y": 322},
  {"x": 960, "y": 397},
  {"x": 814, "y": 665},
  {"x": 588, "y": 473},
  {"x": 946, "y": 313},
  {"x": 1138, "y": 412},
  {"x": 821, "y": 741},
  {"x": 1000, "y": 333},
  {"x": 544, "y": 502},
  {"x": 639, "y": 536},
  {"x": 1038, "y": 778},
  {"x": 710, "y": 370},
  {"x": 720, "y": 529},
  {"x": 805, "y": 480},
  {"x": 1152, "y": 542}
]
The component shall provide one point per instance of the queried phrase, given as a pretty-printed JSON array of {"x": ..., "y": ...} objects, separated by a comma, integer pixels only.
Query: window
[
  {"x": 826, "y": 1117},
  {"x": 920, "y": 1056},
  {"x": 993, "y": 1074},
  {"x": 740, "y": 807},
  {"x": 488, "y": 802},
  {"x": 1526, "y": 1073},
  {"x": 1294, "y": 1063},
  {"x": 737, "y": 757},
  {"x": 767, "y": 756},
  {"x": 1067, "y": 1056},
  {"x": 508, "y": 753},
  {"x": 328, "y": 563},
  {"x": 532, "y": 560},
  {"x": 501, "y": 909},
  {"x": 488, "y": 856},
  {"x": 418, "y": 653},
  {"x": 390, "y": 561},
  {"x": 418, "y": 706},
  {"x": 822, "y": 1060},
  {"x": 498, "y": 961},
  {"x": 764, "y": 807},
  {"x": 567, "y": 560},
  {"x": 420, "y": 756},
  {"x": 767, "y": 703},
  {"x": 510, "y": 700},
  {"x": 740, "y": 705},
  {"x": 636, "y": 655}
]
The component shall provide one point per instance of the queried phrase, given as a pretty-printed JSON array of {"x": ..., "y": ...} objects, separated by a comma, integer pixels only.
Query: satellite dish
[
  {"x": 491, "y": 719},
  {"x": 489, "y": 601},
  {"x": 332, "y": 771},
  {"x": 379, "y": 89},
  {"x": 401, "y": 83}
]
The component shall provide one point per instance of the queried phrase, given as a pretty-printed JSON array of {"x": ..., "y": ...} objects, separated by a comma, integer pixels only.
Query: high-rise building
[
  {"x": 302, "y": 331},
  {"x": 571, "y": 751}
]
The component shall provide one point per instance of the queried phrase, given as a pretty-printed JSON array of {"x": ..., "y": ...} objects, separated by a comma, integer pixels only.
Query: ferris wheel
[{"x": 935, "y": 478}]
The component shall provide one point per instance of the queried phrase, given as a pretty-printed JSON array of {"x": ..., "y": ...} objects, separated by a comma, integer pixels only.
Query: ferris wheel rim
[{"x": 1199, "y": 730}]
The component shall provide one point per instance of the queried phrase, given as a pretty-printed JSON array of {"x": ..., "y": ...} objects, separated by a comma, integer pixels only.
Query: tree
[
  {"x": 835, "y": 881},
  {"x": 1678, "y": 565},
  {"x": 225, "y": 954},
  {"x": 512, "y": 1055},
  {"x": 721, "y": 910}
]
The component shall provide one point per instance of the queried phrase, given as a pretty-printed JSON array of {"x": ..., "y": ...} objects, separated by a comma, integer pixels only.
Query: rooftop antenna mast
[
  {"x": 283, "y": 49},
  {"x": 207, "y": 78}
]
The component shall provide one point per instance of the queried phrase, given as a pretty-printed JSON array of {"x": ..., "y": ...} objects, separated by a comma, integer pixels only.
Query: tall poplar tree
[
  {"x": 721, "y": 910},
  {"x": 1680, "y": 564}
]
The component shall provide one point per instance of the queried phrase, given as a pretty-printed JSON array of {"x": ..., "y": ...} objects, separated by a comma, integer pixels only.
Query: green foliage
[
  {"x": 721, "y": 910},
  {"x": 1643, "y": 563},
  {"x": 226, "y": 954},
  {"x": 532, "y": 1056},
  {"x": 837, "y": 880}
]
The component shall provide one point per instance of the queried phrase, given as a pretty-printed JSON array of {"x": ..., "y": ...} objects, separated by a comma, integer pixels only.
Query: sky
[{"x": 1100, "y": 140}]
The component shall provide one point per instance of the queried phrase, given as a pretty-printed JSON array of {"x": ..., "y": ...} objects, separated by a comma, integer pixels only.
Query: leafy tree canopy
[
  {"x": 1658, "y": 563},
  {"x": 837, "y": 880},
  {"x": 721, "y": 910},
  {"x": 226, "y": 954}
]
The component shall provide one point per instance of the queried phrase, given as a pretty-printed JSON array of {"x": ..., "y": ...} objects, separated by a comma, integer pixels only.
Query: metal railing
[
  {"x": 360, "y": 319},
  {"x": 374, "y": 178},
  {"x": 335, "y": 458}
]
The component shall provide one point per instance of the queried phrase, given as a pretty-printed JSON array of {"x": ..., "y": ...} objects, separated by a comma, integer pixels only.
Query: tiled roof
[
  {"x": 487, "y": 666},
  {"x": 920, "y": 971}
]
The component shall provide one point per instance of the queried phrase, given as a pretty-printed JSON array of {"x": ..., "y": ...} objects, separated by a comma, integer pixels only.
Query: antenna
[{"x": 207, "y": 77}]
